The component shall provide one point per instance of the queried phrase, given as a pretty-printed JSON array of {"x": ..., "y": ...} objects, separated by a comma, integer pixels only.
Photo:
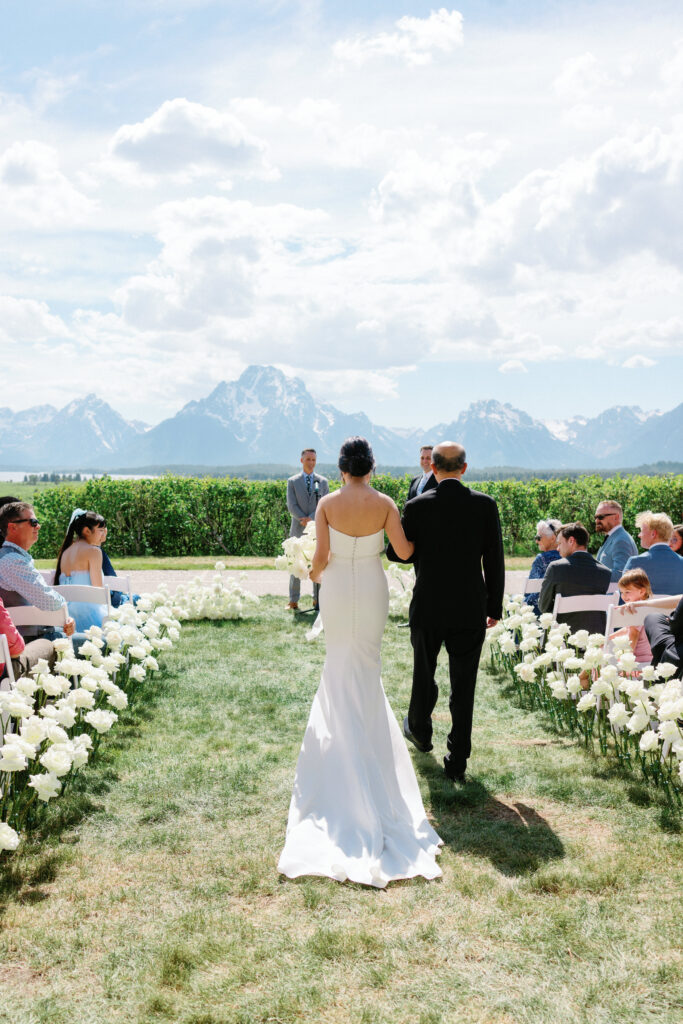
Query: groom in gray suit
[{"x": 304, "y": 490}]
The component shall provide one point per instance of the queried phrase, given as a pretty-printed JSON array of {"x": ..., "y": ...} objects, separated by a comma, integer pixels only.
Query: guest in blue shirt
[
  {"x": 546, "y": 538},
  {"x": 662, "y": 565}
]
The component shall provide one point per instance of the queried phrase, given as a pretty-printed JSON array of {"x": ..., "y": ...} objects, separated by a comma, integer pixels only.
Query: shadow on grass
[{"x": 513, "y": 837}]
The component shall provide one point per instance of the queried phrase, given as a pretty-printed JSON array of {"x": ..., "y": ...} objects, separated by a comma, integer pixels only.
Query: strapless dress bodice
[{"x": 342, "y": 545}]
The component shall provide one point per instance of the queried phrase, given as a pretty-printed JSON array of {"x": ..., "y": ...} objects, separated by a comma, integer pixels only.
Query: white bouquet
[
  {"x": 298, "y": 553},
  {"x": 401, "y": 583}
]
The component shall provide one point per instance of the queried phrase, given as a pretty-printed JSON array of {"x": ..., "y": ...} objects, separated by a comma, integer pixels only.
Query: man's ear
[{"x": 464, "y": 469}]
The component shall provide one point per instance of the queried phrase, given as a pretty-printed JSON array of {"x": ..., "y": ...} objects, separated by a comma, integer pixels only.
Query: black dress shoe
[{"x": 423, "y": 748}]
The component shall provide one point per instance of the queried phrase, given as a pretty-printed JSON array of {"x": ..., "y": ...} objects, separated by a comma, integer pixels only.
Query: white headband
[{"x": 76, "y": 513}]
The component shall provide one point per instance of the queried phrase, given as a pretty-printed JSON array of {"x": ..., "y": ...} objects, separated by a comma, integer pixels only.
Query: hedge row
[{"x": 189, "y": 516}]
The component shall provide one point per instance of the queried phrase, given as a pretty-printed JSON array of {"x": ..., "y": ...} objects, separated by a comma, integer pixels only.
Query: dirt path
[{"x": 258, "y": 581}]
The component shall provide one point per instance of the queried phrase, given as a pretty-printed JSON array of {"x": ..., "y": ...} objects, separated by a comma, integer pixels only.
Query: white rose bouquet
[{"x": 298, "y": 553}]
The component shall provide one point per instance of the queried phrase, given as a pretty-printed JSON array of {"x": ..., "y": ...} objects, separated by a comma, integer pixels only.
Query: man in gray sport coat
[
  {"x": 304, "y": 490},
  {"x": 575, "y": 572},
  {"x": 619, "y": 545}
]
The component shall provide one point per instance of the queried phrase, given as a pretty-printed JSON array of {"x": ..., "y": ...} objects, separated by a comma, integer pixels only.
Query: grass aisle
[{"x": 154, "y": 896}]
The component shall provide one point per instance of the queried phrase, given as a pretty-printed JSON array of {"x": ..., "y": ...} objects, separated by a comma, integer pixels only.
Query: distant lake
[{"x": 17, "y": 475}]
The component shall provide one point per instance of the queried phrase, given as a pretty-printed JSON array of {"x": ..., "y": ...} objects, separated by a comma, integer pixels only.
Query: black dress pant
[
  {"x": 663, "y": 642},
  {"x": 464, "y": 649}
]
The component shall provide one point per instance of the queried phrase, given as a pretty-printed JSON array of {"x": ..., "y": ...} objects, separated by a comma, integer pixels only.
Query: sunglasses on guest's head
[
  {"x": 33, "y": 522},
  {"x": 537, "y": 538}
]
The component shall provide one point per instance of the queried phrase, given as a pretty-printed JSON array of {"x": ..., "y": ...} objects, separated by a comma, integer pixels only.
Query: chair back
[
  {"x": 533, "y": 586},
  {"x": 618, "y": 617},
  {"x": 121, "y": 583},
  {"x": 89, "y": 595},
  {"x": 582, "y": 603},
  {"x": 29, "y": 615},
  {"x": 48, "y": 575}
]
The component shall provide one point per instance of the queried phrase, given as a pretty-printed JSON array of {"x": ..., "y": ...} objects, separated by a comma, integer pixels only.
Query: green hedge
[{"x": 173, "y": 515}]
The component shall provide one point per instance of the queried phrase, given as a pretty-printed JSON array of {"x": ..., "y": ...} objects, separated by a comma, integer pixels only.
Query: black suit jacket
[
  {"x": 456, "y": 531},
  {"x": 412, "y": 490},
  {"x": 578, "y": 574}
]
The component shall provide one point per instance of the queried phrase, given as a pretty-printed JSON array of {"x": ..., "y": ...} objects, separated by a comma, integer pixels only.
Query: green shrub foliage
[{"x": 173, "y": 515}]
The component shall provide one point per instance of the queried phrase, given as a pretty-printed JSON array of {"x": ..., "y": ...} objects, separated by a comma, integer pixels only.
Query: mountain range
[{"x": 265, "y": 416}]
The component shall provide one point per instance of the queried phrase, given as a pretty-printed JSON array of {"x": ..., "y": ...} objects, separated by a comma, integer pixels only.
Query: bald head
[{"x": 448, "y": 460}]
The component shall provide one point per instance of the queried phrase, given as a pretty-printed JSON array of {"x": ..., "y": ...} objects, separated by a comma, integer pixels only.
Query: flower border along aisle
[
  {"x": 633, "y": 711},
  {"x": 54, "y": 721}
]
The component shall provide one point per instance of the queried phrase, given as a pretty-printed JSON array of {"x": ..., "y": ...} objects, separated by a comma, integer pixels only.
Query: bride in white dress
[{"x": 356, "y": 812}]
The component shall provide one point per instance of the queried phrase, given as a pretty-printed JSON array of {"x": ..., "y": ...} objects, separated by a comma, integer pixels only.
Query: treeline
[
  {"x": 52, "y": 478},
  {"x": 173, "y": 515}
]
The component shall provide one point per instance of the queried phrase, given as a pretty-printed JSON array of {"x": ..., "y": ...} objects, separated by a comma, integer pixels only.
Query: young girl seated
[{"x": 634, "y": 585}]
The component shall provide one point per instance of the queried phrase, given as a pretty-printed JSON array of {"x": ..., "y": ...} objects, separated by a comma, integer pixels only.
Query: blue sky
[{"x": 411, "y": 207}]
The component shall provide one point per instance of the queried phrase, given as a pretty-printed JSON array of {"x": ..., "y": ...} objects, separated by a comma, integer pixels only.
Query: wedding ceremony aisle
[{"x": 150, "y": 892}]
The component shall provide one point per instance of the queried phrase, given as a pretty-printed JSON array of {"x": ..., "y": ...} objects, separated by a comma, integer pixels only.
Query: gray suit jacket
[
  {"x": 578, "y": 574},
  {"x": 616, "y": 551},
  {"x": 300, "y": 503}
]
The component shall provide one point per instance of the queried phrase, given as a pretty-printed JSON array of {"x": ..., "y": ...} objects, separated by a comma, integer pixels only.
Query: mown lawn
[{"x": 153, "y": 893}]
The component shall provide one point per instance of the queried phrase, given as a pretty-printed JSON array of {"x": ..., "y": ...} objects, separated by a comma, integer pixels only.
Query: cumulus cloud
[
  {"x": 34, "y": 191},
  {"x": 191, "y": 140},
  {"x": 25, "y": 321},
  {"x": 638, "y": 363},
  {"x": 580, "y": 78},
  {"x": 512, "y": 366},
  {"x": 415, "y": 41}
]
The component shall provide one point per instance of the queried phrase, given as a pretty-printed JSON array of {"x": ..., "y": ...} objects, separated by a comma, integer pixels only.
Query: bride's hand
[{"x": 315, "y": 577}]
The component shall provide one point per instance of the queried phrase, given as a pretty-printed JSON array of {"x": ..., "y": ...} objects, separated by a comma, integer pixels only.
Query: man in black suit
[
  {"x": 665, "y": 636},
  {"x": 456, "y": 531},
  {"x": 425, "y": 480},
  {"x": 575, "y": 572}
]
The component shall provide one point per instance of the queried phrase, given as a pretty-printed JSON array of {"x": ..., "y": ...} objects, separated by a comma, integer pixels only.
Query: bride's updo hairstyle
[{"x": 355, "y": 457}]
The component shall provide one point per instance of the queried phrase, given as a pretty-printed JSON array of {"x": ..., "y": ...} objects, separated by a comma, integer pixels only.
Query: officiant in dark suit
[
  {"x": 304, "y": 490},
  {"x": 459, "y": 585},
  {"x": 425, "y": 480}
]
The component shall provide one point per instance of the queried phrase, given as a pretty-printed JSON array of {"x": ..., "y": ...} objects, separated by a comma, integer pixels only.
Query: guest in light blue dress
[
  {"x": 546, "y": 538},
  {"x": 79, "y": 563}
]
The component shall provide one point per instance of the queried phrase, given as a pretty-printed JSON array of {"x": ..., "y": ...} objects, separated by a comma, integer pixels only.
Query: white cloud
[
  {"x": 190, "y": 140},
  {"x": 34, "y": 191},
  {"x": 415, "y": 42},
  {"x": 512, "y": 366},
  {"x": 25, "y": 320},
  {"x": 638, "y": 363},
  {"x": 580, "y": 78}
]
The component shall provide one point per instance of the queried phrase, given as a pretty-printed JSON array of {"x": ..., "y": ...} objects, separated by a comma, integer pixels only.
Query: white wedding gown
[{"x": 356, "y": 811}]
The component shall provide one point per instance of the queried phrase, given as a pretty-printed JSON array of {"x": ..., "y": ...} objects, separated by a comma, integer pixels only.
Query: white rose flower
[
  {"x": 101, "y": 721},
  {"x": 12, "y": 758},
  {"x": 545, "y": 620},
  {"x": 638, "y": 721},
  {"x": 84, "y": 740},
  {"x": 669, "y": 730},
  {"x": 90, "y": 683},
  {"x": 525, "y": 672},
  {"x": 574, "y": 684},
  {"x": 55, "y": 733},
  {"x": 53, "y": 685},
  {"x": 619, "y": 714},
  {"x": 648, "y": 673},
  {"x": 118, "y": 700},
  {"x": 574, "y": 664},
  {"x": 80, "y": 698},
  {"x": 62, "y": 644},
  {"x": 579, "y": 639},
  {"x": 66, "y": 716},
  {"x": 151, "y": 663},
  {"x": 88, "y": 649},
  {"x": 585, "y": 703},
  {"x": 33, "y": 730},
  {"x": 26, "y": 686},
  {"x": 9, "y": 839},
  {"x": 80, "y": 756},
  {"x": 627, "y": 661},
  {"x": 602, "y": 687},
  {"x": 17, "y": 705},
  {"x": 46, "y": 785},
  {"x": 56, "y": 760},
  {"x": 649, "y": 741},
  {"x": 665, "y": 670}
]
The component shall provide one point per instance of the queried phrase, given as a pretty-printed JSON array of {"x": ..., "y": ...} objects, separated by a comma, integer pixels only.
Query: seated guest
[
  {"x": 24, "y": 655},
  {"x": 676, "y": 540},
  {"x": 619, "y": 545},
  {"x": 117, "y": 597},
  {"x": 665, "y": 632},
  {"x": 664, "y": 568},
  {"x": 575, "y": 572},
  {"x": 546, "y": 538},
  {"x": 20, "y": 581},
  {"x": 635, "y": 586},
  {"x": 79, "y": 563}
]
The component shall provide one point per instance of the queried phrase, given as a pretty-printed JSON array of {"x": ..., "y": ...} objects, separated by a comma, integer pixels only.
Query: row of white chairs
[
  {"x": 120, "y": 583},
  {"x": 534, "y": 586}
]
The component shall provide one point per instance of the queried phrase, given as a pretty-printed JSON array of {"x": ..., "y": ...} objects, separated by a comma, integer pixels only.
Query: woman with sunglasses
[
  {"x": 79, "y": 563},
  {"x": 546, "y": 538}
]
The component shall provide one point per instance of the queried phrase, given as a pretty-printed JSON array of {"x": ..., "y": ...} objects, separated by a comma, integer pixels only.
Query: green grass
[
  {"x": 191, "y": 562},
  {"x": 153, "y": 895}
]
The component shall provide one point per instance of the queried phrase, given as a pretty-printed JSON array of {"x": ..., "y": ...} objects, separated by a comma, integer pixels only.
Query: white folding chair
[
  {"x": 582, "y": 603},
  {"x": 613, "y": 587},
  {"x": 6, "y": 658},
  {"x": 618, "y": 617},
  {"x": 29, "y": 615},
  {"x": 121, "y": 583},
  {"x": 533, "y": 586},
  {"x": 48, "y": 575}
]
